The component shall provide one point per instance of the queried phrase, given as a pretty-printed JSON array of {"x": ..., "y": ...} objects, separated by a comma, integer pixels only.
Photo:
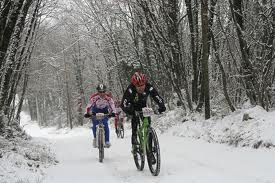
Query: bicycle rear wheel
[
  {"x": 121, "y": 131},
  {"x": 139, "y": 156},
  {"x": 118, "y": 133},
  {"x": 153, "y": 153},
  {"x": 101, "y": 145}
]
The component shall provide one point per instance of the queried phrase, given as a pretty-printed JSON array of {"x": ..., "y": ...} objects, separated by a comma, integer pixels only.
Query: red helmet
[{"x": 138, "y": 79}]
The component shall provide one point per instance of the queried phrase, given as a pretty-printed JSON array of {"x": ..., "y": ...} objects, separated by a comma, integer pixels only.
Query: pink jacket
[{"x": 101, "y": 102}]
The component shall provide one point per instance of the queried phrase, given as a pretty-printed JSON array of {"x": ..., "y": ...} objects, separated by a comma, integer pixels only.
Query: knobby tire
[
  {"x": 155, "y": 150},
  {"x": 101, "y": 145},
  {"x": 139, "y": 156}
]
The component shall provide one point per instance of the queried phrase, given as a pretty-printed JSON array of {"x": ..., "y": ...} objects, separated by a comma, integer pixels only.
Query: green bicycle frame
[{"x": 143, "y": 133}]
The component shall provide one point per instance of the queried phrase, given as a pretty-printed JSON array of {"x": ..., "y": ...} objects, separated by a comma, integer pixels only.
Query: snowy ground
[
  {"x": 187, "y": 154},
  {"x": 22, "y": 158}
]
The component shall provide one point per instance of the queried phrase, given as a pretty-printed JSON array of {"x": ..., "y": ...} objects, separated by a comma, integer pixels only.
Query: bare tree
[{"x": 205, "y": 50}]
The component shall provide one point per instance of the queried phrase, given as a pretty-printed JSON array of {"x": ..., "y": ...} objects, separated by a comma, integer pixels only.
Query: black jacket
[{"x": 134, "y": 101}]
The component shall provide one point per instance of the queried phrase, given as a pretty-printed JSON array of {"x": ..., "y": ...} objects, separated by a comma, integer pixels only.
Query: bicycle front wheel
[
  {"x": 101, "y": 145},
  {"x": 153, "y": 152},
  {"x": 139, "y": 156}
]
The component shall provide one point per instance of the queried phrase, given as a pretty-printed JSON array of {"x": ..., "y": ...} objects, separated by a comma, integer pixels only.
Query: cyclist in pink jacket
[{"x": 100, "y": 102}]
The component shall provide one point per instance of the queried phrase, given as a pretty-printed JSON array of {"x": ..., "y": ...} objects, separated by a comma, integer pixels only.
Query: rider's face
[
  {"x": 102, "y": 94},
  {"x": 140, "y": 89}
]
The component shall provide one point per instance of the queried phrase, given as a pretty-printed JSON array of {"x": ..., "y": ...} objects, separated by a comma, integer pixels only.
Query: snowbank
[
  {"x": 252, "y": 127},
  {"x": 22, "y": 158}
]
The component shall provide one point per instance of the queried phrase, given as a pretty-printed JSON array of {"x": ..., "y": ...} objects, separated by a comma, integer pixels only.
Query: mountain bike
[
  {"x": 147, "y": 143},
  {"x": 120, "y": 129},
  {"x": 100, "y": 135}
]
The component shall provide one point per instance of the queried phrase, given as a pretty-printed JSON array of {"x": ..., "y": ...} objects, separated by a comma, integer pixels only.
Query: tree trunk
[
  {"x": 4, "y": 11},
  {"x": 246, "y": 66},
  {"x": 24, "y": 56},
  {"x": 267, "y": 59},
  {"x": 205, "y": 51},
  {"x": 8, "y": 31},
  {"x": 10, "y": 59},
  {"x": 224, "y": 82},
  {"x": 79, "y": 83},
  {"x": 192, "y": 19},
  {"x": 68, "y": 95},
  {"x": 22, "y": 97},
  {"x": 172, "y": 11},
  {"x": 38, "y": 110}
]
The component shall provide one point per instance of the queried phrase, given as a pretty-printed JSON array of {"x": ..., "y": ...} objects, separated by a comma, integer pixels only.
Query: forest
[{"x": 203, "y": 56}]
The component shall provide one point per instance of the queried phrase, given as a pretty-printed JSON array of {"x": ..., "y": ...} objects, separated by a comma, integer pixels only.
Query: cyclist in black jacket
[{"x": 135, "y": 98}]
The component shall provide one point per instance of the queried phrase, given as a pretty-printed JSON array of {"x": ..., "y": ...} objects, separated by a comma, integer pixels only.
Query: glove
[
  {"x": 162, "y": 109},
  {"x": 87, "y": 115},
  {"x": 112, "y": 115}
]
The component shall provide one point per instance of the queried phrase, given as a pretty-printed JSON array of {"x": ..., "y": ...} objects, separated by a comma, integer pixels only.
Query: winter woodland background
[
  {"x": 205, "y": 57},
  {"x": 53, "y": 53}
]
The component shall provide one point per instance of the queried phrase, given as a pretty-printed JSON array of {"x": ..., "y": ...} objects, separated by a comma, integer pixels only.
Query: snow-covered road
[{"x": 183, "y": 160}]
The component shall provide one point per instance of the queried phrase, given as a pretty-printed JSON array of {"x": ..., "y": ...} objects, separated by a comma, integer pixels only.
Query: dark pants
[{"x": 134, "y": 124}]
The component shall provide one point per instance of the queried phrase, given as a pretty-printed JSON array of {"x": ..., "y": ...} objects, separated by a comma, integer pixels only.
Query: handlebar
[
  {"x": 147, "y": 111},
  {"x": 99, "y": 116}
]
